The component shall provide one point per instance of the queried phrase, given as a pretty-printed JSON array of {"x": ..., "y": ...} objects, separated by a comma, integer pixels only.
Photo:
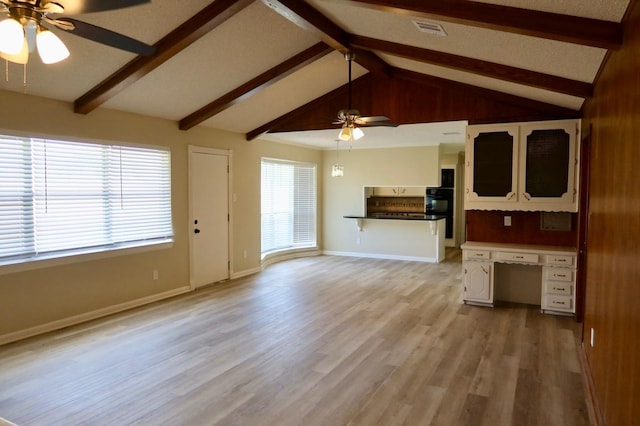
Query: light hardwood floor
[{"x": 314, "y": 341}]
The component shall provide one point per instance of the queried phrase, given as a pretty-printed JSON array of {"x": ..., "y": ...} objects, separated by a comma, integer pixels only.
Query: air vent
[{"x": 430, "y": 28}]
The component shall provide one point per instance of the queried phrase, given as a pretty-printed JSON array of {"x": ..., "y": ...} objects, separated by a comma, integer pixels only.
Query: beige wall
[
  {"x": 369, "y": 167},
  {"x": 36, "y": 297}
]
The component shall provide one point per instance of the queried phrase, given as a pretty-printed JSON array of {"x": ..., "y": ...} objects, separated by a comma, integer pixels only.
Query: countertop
[{"x": 396, "y": 216}]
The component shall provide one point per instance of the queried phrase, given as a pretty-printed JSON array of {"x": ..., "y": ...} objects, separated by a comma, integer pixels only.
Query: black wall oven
[{"x": 440, "y": 201}]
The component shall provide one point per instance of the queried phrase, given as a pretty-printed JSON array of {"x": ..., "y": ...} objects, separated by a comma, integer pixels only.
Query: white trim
[
  {"x": 88, "y": 316},
  {"x": 381, "y": 256},
  {"x": 194, "y": 149},
  {"x": 245, "y": 273}
]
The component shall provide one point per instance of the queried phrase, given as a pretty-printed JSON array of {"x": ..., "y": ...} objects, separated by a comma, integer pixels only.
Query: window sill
[{"x": 81, "y": 255}]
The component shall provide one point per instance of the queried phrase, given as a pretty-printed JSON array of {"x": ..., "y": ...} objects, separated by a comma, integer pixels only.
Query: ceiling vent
[{"x": 430, "y": 28}]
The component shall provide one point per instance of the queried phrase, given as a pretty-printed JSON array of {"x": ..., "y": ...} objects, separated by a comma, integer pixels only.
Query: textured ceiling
[{"x": 257, "y": 39}]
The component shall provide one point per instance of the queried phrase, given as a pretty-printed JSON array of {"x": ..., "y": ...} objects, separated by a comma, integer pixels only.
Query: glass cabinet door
[
  {"x": 548, "y": 162},
  {"x": 494, "y": 158}
]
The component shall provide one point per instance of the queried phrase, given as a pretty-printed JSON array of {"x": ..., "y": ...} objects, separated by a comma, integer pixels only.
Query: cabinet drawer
[
  {"x": 555, "y": 287},
  {"x": 559, "y": 274},
  {"x": 560, "y": 260},
  {"x": 477, "y": 254},
  {"x": 517, "y": 257},
  {"x": 552, "y": 301}
]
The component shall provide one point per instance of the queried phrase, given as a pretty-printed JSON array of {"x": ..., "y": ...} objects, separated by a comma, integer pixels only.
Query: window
[
  {"x": 60, "y": 198},
  {"x": 288, "y": 210}
]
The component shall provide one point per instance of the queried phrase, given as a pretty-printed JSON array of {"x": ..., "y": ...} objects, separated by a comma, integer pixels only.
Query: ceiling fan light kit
[
  {"x": 11, "y": 36},
  {"x": 27, "y": 28},
  {"x": 50, "y": 48},
  {"x": 350, "y": 133}
]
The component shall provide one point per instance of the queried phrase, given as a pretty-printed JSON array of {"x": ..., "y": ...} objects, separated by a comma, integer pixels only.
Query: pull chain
[{"x": 24, "y": 80}]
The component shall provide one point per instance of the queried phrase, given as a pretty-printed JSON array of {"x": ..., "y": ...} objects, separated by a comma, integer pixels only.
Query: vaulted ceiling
[{"x": 263, "y": 67}]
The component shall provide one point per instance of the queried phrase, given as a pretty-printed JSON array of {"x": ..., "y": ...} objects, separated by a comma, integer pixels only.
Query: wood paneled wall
[
  {"x": 488, "y": 226},
  {"x": 408, "y": 97},
  {"x": 612, "y": 299}
]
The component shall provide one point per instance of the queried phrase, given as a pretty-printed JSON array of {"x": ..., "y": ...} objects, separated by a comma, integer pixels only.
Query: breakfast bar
[{"x": 407, "y": 236}]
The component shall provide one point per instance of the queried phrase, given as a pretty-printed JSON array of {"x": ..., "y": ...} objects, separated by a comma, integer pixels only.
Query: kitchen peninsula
[{"x": 395, "y": 225}]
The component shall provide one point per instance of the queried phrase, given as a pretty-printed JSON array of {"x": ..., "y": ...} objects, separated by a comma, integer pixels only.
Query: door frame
[
  {"x": 583, "y": 221},
  {"x": 194, "y": 149}
]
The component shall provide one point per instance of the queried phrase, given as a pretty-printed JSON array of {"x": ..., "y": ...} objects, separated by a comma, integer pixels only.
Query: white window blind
[
  {"x": 58, "y": 198},
  {"x": 288, "y": 206}
]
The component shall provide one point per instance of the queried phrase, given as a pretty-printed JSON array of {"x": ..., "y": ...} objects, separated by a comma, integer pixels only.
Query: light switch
[{"x": 507, "y": 221}]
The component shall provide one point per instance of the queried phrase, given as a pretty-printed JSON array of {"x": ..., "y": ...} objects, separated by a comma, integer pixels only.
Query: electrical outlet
[
  {"x": 507, "y": 221},
  {"x": 155, "y": 274},
  {"x": 593, "y": 337}
]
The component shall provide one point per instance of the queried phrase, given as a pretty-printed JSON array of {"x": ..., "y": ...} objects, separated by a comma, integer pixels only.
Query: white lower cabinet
[
  {"x": 558, "y": 272},
  {"x": 558, "y": 286},
  {"x": 477, "y": 282}
]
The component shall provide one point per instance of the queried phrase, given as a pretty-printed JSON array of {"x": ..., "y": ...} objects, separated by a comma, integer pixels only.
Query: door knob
[{"x": 196, "y": 231}]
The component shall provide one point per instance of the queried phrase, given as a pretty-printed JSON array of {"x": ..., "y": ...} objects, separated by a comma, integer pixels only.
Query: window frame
[
  {"x": 26, "y": 262},
  {"x": 293, "y": 247}
]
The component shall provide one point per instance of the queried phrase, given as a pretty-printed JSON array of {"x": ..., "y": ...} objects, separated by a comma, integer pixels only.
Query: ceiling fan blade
[
  {"x": 105, "y": 36},
  {"x": 370, "y": 119},
  {"x": 73, "y": 7},
  {"x": 379, "y": 124}
]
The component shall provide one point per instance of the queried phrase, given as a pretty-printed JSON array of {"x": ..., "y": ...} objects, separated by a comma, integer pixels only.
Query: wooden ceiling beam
[
  {"x": 308, "y": 108},
  {"x": 554, "y": 26},
  {"x": 476, "y": 66},
  {"x": 173, "y": 43},
  {"x": 256, "y": 84},
  {"x": 305, "y": 16}
]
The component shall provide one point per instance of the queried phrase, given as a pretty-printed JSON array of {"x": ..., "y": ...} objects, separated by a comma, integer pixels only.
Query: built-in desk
[{"x": 558, "y": 265}]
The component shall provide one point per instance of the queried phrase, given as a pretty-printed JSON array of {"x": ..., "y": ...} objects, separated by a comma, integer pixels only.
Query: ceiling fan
[
  {"x": 350, "y": 118},
  {"x": 29, "y": 22}
]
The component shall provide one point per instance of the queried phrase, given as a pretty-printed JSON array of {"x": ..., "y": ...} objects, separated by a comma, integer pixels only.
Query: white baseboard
[
  {"x": 245, "y": 273},
  {"x": 381, "y": 256},
  {"x": 88, "y": 316}
]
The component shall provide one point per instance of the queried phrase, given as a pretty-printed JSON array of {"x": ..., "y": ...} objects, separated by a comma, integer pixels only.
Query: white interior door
[{"x": 209, "y": 215}]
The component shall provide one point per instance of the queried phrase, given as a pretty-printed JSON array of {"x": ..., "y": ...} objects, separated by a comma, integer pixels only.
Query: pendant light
[{"x": 337, "y": 170}]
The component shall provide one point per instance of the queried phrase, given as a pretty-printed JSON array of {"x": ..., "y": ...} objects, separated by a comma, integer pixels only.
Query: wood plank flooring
[{"x": 315, "y": 341}]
